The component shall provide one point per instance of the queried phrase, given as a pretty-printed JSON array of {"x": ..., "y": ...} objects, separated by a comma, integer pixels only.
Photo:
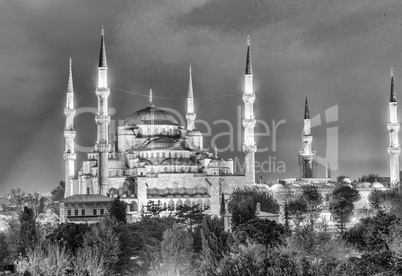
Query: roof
[
  {"x": 249, "y": 69},
  {"x": 86, "y": 198},
  {"x": 392, "y": 96},
  {"x": 151, "y": 116},
  {"x": 306, "y": 110},
  {"x": 102, "y": 54}
]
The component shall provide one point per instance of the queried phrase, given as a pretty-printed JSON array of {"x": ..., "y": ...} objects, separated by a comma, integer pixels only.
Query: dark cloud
[{"x": 336, "y": 52}]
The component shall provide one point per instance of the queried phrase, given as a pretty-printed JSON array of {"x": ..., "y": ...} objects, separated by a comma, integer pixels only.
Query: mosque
[{"x": 153, "y": 160}]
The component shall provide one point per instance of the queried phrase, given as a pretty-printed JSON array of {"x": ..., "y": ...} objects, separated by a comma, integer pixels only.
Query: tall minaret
[
  {"x": 249, "y": 146},
  {"x": 306, "y": 156},
  {"x": 393, "y": 127},
  {"x": 190, "y": 104},
  {"x": 69, "y": 133},
  {"x": 102, "y": 119}
]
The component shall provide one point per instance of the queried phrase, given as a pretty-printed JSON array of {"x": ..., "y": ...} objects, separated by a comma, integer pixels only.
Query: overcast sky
[{"x": 338, "y": 53}]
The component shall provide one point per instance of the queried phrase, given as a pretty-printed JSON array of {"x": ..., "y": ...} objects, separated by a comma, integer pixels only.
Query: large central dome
[{"x": 151, "y": 116}]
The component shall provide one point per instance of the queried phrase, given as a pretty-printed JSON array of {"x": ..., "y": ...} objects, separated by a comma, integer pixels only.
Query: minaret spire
[
  {"x": 102, "y": 54},
  {"x": 307, "y": 161},
  {"x": 102, "y": 119},
  {"x": 394, "y": 149},
  {"x": 306, "y": 110},
  {"x": 69, "y": 135},
  {"x": 249, "y": 69},
  {"x": 190, "y": 104},
  {"x": 249, "y": 146}
]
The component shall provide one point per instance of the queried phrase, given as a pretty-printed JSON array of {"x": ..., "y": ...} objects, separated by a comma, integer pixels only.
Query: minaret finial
[
  {"x": 70, "y": 87},
  {"x": 392, "y": 96},
  {"x": 249, "y": 69},
  {"x": 306, "y": 110},
  {"x": 102, "y": 55},
  {"x": 190, "y": 85},
  {"x": 151, "y": 104}
]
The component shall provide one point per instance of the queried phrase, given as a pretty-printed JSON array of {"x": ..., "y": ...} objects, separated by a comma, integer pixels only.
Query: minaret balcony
[
  {"x": 69, "y": 134},
  {"x": 248, "y": 123},
  {"x": 307, "y": 139},
  {"x": 103, "y": 147},
  {"x": 102, "y": 119},
  {"x": 102, "y": 92},
  {"x": 393, "y": 127},
  {"x": 190, "y": 116},
  {"x": 249, "y": 148},
  {"x": 69, "y": 112},
  {"x": 69, "y": 156},
  {"x": 249, "y": 98},
  {"x": 394, "y": 150}
]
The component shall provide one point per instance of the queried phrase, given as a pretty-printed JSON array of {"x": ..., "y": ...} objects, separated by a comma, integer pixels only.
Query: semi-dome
[
  {"x": 364, "y": 185},
  {"x": 162, "y": 143},
  {"x": 151, "y": 116}
]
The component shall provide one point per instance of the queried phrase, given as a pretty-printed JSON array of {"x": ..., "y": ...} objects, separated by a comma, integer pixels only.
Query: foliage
[
  {"x": 340, "y": 178},
  {"x": 314, "y": 199},
  {"x": 189, "y": 215},
  {"x": 214, "y": 245},
  {"x": 89, "y": 262},
  {"x": 177, "y": 253},
  {"x": 58, "y": 193},
  {"x": 20, "y": 199},
  {"x": 376, "y": 263},
  {"x": 389, "y": 201},
  {"x": 371, "y": 234},
  {"x": 70, "y": 235},
  {"x": 258, "y": 260},
  {"x": 28, "y": 236},
  {"x": 262, "y": 231},
  {"x": 140, "y": 244},
  {"x": 242, "y": 204},
  {"x": 4, "y": 250},
  {"x": 102, "y": 238},
  {"x": 341, "y": 204},
  {"x": 47, "y": 259},
  {"x": 297, "y": 209},
  {"x": 118, "y": 210}
]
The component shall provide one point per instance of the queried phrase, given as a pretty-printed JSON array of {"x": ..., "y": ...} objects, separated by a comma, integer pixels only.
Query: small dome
[
  {"x": 277, "y": 186},
  {"x": 363, "y": 185},
  {"x": 151, "y": 116},
  {"x": 377, "y": 185}
]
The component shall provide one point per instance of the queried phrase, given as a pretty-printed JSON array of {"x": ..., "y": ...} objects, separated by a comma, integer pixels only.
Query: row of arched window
[{"x": 171, "y": 205}]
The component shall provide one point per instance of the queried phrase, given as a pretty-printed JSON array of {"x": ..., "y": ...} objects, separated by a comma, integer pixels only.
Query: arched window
[
  {"x": 187, "y": 203},
  {"x": 133, "y": 206},
  {"x": 171, "y": 205},
  {"x": 88, "y": 191},
  {"x": 207, "y": 204},
  {"x": 199, "y": 204},
  {"x": 179, "y": 203}
]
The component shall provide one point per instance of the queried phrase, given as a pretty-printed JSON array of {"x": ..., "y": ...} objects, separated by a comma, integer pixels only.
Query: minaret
[
  {"x": 102, "y": 119},
  {"x": 69, "y": 132},
  {"x": 393, "y": 127},
  {"x": 190, "y": 104},
  {"x": 306, "y": 156},
  {"x": 249, "y": 146}
]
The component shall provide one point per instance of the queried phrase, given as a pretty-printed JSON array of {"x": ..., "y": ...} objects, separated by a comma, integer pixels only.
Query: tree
[
  {"x": 214, "y": 245},
  {"x": 262, "y": 231},
  {"x": 371, "y": 177},
  {"x": 388, "y": 201},
  {"x": 242, "y": 204},
  {"x": 70, "y": 235},
  {"x": 103, "y": 239},
  {"x": 341, "y": 204},
  {"x": 58, "y": 193},
  {"x": 88, "y": 262},
  {"x": 4, "y": 250},
  {"x": 314, "y": 200},
  {"x": 47, "y": 259},
  {"x": 28, "y": 237},
  {"x": 20, "y": 199},
  {"x": 117, "y": 209},
  {"x": 177, "y": 253},
  {"x": 297, "y": 209},
  {"x": 189, "y": 215}
]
